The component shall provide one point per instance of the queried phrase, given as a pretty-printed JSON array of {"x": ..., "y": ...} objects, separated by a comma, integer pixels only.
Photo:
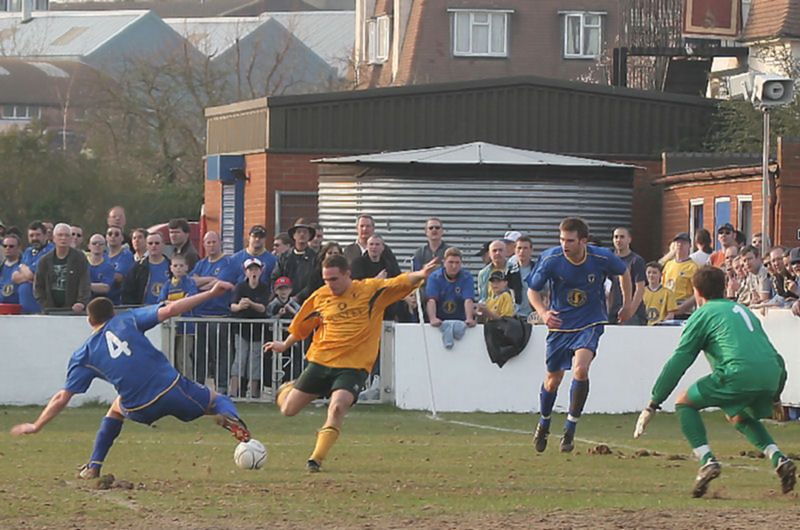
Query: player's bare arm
[
  {"x": 424, "y": 272},
  {"x": 190, "y": 302},
  {"x": 627, "y": 309},
  {"x": 549, "y": 316},
  {"x": 53, "y": 409},
  {"x": 280, "y": 346}
]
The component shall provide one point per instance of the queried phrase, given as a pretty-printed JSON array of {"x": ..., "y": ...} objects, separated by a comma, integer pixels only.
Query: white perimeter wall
[
  {"x": 621, "y": 377},
  {"x": 35, "y": 352}
]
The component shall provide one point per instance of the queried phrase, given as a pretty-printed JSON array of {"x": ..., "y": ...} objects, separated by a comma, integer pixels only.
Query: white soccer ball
[{"x": 250, "y": 455}]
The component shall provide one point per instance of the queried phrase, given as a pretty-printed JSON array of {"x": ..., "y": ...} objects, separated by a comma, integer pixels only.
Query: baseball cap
[
  {"x": 258, "y": 230},
  {"x": 249, "y": 262},
  {"x": 484, "y": 249},
  {"x": 726, "y": 226},
  {"x": 683, "y": 236},
  {"x": 497, "y": 275},
  {"x": 511, "y": 236},
  {"x": 794, "y": 255},
  {"x": 283, "y": 281}
]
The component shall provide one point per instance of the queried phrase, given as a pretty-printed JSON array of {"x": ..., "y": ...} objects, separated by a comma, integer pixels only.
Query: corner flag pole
[{"x": 427, "y": 354}]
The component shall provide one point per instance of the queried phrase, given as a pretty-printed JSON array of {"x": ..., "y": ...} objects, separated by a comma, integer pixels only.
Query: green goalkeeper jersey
[{"x": 738, "y": 350}]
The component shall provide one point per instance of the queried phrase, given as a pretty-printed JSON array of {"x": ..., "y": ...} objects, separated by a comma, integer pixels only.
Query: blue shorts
[
  {"x": 185, "y": 399},
  {"x": 561, "y": 346}
]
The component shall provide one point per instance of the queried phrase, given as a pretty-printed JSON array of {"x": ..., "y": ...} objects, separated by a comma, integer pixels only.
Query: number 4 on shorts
[{"x": 116, "y": 347}]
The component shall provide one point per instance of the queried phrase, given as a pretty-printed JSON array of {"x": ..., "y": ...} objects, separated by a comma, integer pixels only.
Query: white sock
[
  {"x": 701, "y": 451},
  {"x": 770, "y": 450}
]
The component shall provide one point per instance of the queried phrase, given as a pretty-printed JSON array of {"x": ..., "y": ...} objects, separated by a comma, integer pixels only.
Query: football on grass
[{"x": 250, "y": 455}]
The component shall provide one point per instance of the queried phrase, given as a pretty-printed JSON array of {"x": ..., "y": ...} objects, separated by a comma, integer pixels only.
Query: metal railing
[{"x": 226, "y": 355}]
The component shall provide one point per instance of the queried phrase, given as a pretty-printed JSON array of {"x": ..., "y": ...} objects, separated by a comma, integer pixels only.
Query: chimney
[{"x": 26, "y": 13}]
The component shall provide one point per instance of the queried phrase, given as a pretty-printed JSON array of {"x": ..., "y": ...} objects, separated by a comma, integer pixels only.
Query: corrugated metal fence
[{"x": 473, "y": 211}]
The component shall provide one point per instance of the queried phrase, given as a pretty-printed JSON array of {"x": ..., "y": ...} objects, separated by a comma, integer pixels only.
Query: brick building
[
  {"x": 709, "y": 198},
  {"x": 260, "y": 152}
]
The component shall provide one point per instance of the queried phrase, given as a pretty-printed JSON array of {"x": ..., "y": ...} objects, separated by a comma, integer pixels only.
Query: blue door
[{"x": 722, "y": 215}]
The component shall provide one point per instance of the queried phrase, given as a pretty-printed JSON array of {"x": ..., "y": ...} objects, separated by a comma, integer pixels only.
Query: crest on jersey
[
  {"x": 458, "y": 289},
  {"x": 576, "y": 297},
  {"x": 155, "y": 288},
  {"x": 8, "y": 289},
  {"x": 590, "y": 278},
  {"x": 449, "y": 306},
  {"x": 652, "y": 314}
]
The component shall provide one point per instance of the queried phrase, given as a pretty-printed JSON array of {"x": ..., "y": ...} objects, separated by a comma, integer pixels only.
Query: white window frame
[
  {"x": 21, "y": 112},
  {"x": 469, "y": 51},
  {"x": 378, "y": 35},
  {"x": 692, "y": 225},
  {"x": 741, "y": 199},
  {"x": 581, "y": 15}
]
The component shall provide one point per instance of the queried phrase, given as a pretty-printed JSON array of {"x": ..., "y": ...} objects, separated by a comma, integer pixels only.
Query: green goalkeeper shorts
[{"x": 710, "y": 391}]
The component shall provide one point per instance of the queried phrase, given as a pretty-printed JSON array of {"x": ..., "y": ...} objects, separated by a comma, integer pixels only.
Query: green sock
[
  {"x": 694, "y": 431},
  {"x": 757, "y": 434}
]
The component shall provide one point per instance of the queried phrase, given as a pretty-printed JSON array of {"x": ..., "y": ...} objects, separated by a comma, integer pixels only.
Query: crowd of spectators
[{"x": 55, "y": 273}]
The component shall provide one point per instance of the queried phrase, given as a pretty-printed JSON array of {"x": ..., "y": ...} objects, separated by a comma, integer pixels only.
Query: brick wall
[
  {"x": 676, "y": 209},
  {"x": 534, "y": 46},
  {"x": 787, "y": 193}
]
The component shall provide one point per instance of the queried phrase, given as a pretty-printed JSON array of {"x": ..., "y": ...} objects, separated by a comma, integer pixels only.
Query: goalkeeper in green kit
[{"x": 747, "y": 378}]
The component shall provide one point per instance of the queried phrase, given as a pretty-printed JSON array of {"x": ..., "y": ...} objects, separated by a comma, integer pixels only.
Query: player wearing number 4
[
  {"x": 149, "y": 387},
  {"x": 346, "y": 317},
  {"x": 747, "y": 378}
]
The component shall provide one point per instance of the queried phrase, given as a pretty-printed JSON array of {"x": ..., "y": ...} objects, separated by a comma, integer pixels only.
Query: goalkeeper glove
[{"x": 644, "y": 418}]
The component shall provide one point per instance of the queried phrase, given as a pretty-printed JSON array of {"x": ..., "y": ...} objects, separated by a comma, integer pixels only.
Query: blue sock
[
  {"x": 224, "y": 405},
  {"x": 106, "y": 434},
  {"x": 577, "y": 397},
  {"x": 546, "y": 402}
]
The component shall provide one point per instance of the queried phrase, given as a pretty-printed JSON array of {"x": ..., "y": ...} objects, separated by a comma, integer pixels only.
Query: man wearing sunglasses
[
  {"x": 726, "y": 235},
  {"x": 12, "y": 246},
  {"x": 120, "y": 258}
]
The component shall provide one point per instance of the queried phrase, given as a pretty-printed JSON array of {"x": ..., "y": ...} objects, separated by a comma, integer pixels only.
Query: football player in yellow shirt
[{"x": 346, "y": 318}]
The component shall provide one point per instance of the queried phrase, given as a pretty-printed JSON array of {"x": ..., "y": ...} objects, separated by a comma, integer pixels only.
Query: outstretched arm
[
  {"x": 280, "y": 347},
  {"x": 424, "y": 272},
  {"x": 56, "y": 405},
  {"x": 190, "y": 302}
]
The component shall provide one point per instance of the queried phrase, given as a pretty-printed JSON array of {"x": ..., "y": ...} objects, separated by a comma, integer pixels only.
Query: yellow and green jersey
[{"x": 348, "y": 327}]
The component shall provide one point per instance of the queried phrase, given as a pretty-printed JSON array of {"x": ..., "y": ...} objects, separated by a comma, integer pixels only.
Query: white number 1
[
  {"x": 116, "y": 347},
  {"x": 740, "y": 311}
]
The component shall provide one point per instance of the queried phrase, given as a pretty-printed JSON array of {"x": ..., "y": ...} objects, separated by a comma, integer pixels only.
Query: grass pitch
[{"x": 389, "y": 469}]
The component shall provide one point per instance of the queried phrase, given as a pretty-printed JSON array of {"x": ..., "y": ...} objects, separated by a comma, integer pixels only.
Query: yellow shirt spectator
[
  {"x": 658, "y": 304},
  {"x": 677, "y": 277},
  {"x": 500, "y": 304}
]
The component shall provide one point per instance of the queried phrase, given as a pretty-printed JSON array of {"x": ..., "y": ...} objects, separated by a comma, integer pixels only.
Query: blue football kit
[
  {"x": 101, "y": 273},
  {"x": 122, "y": 262},
  {"x": 31, "y": 258},
  {"x": 8, "y": 289},
  {"x": 223, "y": 269},
  {"x": 450, "y": 293},
  {"x": 118, "y": 352},
  {"x": 577, "y": 292}
]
